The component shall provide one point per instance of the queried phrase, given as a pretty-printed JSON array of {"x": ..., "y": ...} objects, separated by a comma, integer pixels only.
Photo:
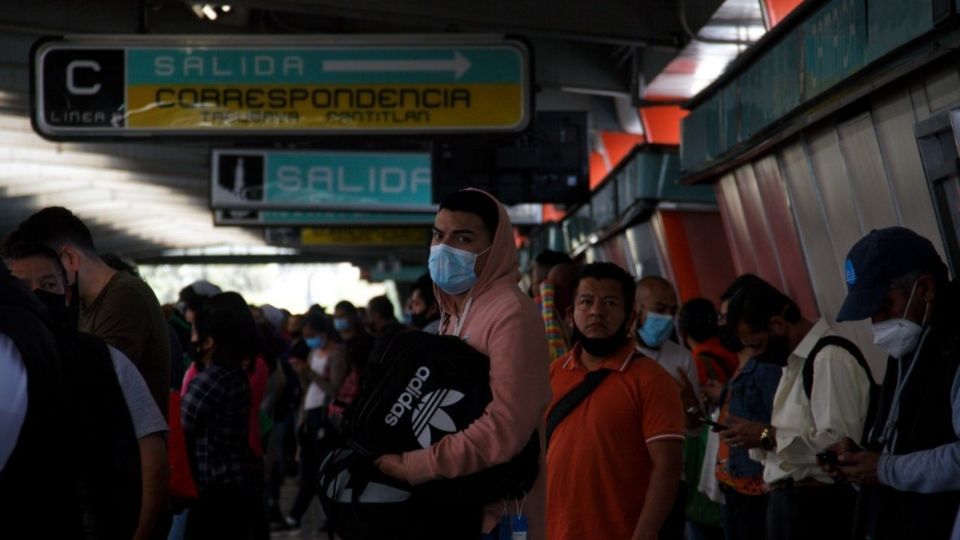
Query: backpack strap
[
  {"x": 573, "y": 398},
  {"x": 850, "y": 347}
]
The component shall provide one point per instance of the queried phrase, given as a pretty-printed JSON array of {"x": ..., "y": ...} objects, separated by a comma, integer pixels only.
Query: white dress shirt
[{"x": 837, "y": 408}]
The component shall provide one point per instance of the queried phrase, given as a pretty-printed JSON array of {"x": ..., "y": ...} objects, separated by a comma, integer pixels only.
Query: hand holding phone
[
  {"x": 715, "y": 425},
  {"x": 827, "y": 458}
]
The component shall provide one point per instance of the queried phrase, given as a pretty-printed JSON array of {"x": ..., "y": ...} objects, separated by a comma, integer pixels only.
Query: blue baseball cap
[{"x": 875, "y": 261}]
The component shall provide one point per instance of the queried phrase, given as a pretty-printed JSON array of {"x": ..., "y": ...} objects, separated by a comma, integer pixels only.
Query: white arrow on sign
[{"x": 458, "y": 65}]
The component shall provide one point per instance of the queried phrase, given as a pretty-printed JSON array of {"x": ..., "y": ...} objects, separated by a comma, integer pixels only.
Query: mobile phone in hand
[
  {"x": 715, "y": 425},
  {"x": 828, "y": 458}
]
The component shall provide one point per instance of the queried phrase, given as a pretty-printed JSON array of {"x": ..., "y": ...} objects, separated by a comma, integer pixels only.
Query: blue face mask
[
  {"x": 452, "y": 269},
  {"x": 341, "y": 324},
  {"x": 315, "y": 342},
  {"x": 656, "y": 329}
]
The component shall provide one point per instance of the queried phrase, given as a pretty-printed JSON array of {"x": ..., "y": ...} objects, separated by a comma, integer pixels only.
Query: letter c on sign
[{"x": 82, "y": 90}]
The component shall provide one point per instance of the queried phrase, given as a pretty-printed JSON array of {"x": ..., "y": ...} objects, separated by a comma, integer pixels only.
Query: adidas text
[{"x": 405, "y": 402}]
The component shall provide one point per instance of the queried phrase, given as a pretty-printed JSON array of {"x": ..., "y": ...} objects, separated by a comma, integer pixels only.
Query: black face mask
[
  {"x": 729, "y": 339},
  {"x": 776, "y": 352},
  {"x": 601, "y": 347},
  {"x": 62, "y": 314}
]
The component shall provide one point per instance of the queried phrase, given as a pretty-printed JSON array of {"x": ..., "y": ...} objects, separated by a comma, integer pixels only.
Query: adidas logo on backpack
[
  {"x": 404, "y": 403},
  {"x": 430, "y": 413}
]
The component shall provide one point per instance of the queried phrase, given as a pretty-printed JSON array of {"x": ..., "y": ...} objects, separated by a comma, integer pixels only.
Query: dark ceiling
[{"x": 582, "y": 50}]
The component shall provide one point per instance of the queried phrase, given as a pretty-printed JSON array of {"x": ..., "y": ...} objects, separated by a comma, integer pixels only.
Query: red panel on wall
[
  {"x": 697, "y": 253},
  {"x": 618, "y": 145},
  {"x": 777, "y": 10},
  {"x": 598, "y": 169},
  {"x": 758, "y": 233},
  {"x": 728, "y": 228},
  {"x": 781, "y": 225},
  {"x": 710, "y": 253},
  {"x": 662, "y": 124},
  {"x": 736, "y": 220},
  {"x": 678, "y": 255},
  {"x": 762, "y": 232},
  {"x": 552, "y": 213}
]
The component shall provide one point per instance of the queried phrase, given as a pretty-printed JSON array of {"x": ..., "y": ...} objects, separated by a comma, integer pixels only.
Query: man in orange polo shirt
[{"x": 625, "y": 439}]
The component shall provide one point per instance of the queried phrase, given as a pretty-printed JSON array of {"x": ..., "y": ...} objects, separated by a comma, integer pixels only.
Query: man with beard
[
  {"x": 614, "y": 459},
  {"x": 823, "y": 396}
]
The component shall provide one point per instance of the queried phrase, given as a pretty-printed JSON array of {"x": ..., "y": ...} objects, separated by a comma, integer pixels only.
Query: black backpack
[
  {"x": 423, "y": 388},
  {"x": 851, "y": 348}
]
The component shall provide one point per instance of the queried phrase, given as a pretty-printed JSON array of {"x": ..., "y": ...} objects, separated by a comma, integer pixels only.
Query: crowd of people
[{"x": 738, "y": 417}]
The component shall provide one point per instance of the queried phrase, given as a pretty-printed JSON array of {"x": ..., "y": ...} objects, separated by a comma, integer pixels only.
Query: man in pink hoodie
[{"x": 473, "y": 263}]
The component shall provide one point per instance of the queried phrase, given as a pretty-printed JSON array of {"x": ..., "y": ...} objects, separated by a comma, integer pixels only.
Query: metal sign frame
[
  {"x": 253, "y": 218},
  {"x": 388, "y": 43}
]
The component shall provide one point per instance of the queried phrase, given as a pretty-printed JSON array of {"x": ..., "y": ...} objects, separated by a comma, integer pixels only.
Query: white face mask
[{"x": 899, "y": 337}]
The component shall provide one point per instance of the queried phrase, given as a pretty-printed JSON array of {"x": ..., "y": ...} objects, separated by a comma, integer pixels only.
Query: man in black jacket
[
  {"x": 39, "y": 481},
  {"x": 912, "y": 483}
]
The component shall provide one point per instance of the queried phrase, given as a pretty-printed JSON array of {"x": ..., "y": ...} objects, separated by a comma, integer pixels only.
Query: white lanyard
[
  {"x": 887, "y": 435},
  {"x": 461, "y": 319}
]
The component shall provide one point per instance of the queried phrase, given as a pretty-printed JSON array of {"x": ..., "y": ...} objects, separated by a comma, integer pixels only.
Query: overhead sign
[
  {"x": 321, "y": 180},
  {"x": 364, "y": 236},
  {"x": 89, "y": 86},
  {"x": 280, "y": 218}
]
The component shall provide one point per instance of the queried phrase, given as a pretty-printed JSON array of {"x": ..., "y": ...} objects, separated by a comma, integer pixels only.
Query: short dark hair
[
  {"x": 477, "y": 203},
  {"x": 56, "y": 226},
  {"x": 381, "y": 305},
  {"x": 742, "y": 281},
  {"x": 697, "y": 319},
  {"x": 120, "y": 264},
  {"x": 319, "y": 322},
  {"x": 424, "y": 284},
  {"x": 226, "y": 318},
  {"x": 348, "y": 307},
  {"x": 550, "y": 258},
  {"x": 756, "y": 303},
  {"x": 22, "y": 250},
  {"x": 609, "y": 270}
]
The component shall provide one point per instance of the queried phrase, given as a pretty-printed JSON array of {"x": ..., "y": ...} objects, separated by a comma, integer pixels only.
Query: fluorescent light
[
  {"x": 208, "y": 10},
  {"x": 225, "y": 8}
]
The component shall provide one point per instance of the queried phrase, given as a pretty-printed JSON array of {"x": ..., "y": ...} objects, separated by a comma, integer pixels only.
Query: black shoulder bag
[{"x": 574, "y": 398}]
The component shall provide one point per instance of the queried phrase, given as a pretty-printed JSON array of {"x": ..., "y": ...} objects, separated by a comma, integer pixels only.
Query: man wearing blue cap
[{"x": 910, "y": 468}]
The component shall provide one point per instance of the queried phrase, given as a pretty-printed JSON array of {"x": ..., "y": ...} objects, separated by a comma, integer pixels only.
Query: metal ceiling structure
[{"x": 143, "y": 199}]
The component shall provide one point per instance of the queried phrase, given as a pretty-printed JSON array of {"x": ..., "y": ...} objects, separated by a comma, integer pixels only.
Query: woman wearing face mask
[
  {"x": 215, "y": 415},
  {"x": 323, "y": 372}
]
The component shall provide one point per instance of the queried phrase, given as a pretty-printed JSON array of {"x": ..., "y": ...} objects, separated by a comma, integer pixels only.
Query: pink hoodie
[{"x": 504, "y": 324}]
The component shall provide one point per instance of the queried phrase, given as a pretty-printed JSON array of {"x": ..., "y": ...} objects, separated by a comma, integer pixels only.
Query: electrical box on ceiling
[{"x": 547, "y": 163}]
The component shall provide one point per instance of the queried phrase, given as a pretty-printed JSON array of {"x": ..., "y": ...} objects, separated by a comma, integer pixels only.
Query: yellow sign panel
[
  {"x": 345, "y": 107},
  {"x": 354, "y": 236}
]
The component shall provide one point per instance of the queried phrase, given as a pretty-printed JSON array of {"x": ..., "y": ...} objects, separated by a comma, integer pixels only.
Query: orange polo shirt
[{"x": 598, "y": 466}]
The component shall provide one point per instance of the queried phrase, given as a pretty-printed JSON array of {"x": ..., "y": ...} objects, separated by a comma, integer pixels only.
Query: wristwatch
[{"x": 766, "y": 441}]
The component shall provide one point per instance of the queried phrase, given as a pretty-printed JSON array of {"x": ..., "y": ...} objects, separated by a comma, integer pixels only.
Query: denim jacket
[{"x": 751, "y": 398}]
